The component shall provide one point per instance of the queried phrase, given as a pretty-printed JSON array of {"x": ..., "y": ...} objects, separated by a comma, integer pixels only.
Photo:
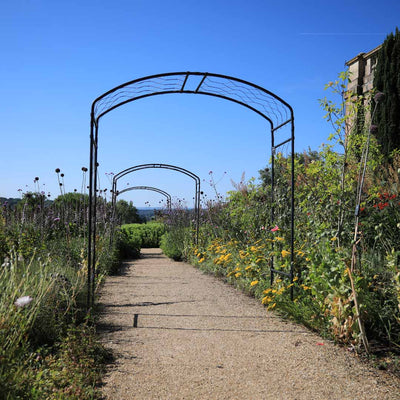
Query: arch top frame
[
  {"x": 260, "y": 100},
  {"x": 151, "y": 188},
  {"x": 139, "y": 167},
  {"x": 126, "y": 171}
]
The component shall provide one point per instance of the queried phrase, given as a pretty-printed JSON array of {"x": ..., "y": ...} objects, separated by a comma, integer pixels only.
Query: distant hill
[
  {"x": 11, "y": 202},
  {"x": 147, "y": 213}
]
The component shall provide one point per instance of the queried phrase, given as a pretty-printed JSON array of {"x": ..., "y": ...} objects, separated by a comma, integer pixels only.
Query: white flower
[
  {"x": 6, "y": 262},
  {"x": 23, "y": 301}
]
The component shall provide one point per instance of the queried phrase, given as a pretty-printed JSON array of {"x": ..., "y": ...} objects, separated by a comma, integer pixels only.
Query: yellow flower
[
  {"x": 238, "y": 274},
  {"x": 271, "y": 306},
  {"x": 334, "y": 238},
  {"x": 308, "y": 259},
  {"x": 279, "y": 239},
  {"x": 254, "y": 283},
  {"x": 266, "y": 291},
  {"x": 247, "y": 268},
  {"x": 266, "y": 300},
  {"x": 201, "y": 260},
  {"x": 296, "y": 278},
  {"x": 280, "y": 291},
  {"x": 285, "y": 253}
]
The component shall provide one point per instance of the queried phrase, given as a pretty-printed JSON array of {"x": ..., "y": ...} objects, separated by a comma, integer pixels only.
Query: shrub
[
  {"x": 172, "y": 246},
  {"x": 129, "y": 243}
]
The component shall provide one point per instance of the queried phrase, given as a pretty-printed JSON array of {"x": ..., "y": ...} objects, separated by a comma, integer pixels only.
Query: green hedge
[{"x": 149, "y": 234}]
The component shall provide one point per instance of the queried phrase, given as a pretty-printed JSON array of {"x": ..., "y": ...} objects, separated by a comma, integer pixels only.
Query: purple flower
[
  {"x": 56, "y": 219},
  {"x": 379, "y": 96},
  {"x": 373, "y": 129}
]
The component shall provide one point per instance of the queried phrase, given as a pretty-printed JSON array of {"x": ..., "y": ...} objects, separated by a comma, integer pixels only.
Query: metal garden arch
[
  {"x": 153, "y": 189},
  {"x": 129, "y": 170},
  {"x": 268, "y": 105},
  {"x": 184, "y": 171}
]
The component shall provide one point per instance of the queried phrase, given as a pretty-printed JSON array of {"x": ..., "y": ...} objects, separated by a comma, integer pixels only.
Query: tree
[
  {"x": 126, "y": 212},
  {"x": 72, "y": 199},
  {"x": 303, "y": 158},
  {"x": 387, "y": 81}
]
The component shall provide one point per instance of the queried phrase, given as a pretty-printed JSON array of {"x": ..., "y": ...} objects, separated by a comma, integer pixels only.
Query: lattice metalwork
[{"x": 258, "y": 99}]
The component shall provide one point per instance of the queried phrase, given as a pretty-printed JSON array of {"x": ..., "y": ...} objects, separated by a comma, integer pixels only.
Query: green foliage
[
  {"x": 386, "y": 80},
  {"x": 126, "y": 212},
  {"x": 172, "y": 244},
  {"x": 132, "y": 237},
  {"x": 238, "y": 243},
  {"x": 71, "y": 199},
  {"x": 150, "y": 233},
  {"x": 46, "y": 348},
  {"x": 129, "y": 243},
  {"x": 70, "y": 370},
  {"x": 179, "y": 233}
]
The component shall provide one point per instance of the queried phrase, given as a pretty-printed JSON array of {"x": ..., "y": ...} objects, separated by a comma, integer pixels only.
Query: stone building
[
  {"x": 361, "y": 81},
  {"x": 361, "y": 70}
]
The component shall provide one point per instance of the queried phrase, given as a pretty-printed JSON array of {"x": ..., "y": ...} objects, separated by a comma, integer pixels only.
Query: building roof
[{"x": 363, "y": 55}]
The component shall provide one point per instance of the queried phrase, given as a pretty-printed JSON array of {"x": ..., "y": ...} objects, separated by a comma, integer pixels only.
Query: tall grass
[{"x": 48, "y": 345}]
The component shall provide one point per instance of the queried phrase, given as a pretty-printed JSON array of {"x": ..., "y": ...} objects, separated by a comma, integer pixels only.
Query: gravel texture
[{"x": 199, "y": 338}]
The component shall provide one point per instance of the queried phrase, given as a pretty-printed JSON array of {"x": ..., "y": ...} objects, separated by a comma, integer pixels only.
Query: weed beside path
[{"x": 198, "y": 338}]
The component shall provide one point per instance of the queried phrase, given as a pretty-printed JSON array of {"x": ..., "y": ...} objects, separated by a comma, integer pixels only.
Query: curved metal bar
[
  {"x": 184, "y": 171},
  {"x": 190, "y": 92},
  {"x": 112, "y": 99},
  {"x": 254, "y": 97},
  {"x": 164, "y": 193},
  {"x": 120, "y": 174}
]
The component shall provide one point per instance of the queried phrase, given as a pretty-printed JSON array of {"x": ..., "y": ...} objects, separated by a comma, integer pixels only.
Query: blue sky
[{"x": 57, "y": 57}]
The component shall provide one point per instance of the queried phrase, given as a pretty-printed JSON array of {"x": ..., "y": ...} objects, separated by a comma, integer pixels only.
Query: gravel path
[{"x": 198, "y": 338}]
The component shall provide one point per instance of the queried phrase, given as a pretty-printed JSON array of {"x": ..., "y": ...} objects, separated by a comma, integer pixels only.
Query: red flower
[{"x": 381, "y": 206}]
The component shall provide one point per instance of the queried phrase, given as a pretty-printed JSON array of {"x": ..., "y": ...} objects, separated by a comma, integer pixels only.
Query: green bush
[
  {"x": 150, "y": 233},
  {"x": 171, "y": 247},
  {"x": 129, "y": 243}
]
